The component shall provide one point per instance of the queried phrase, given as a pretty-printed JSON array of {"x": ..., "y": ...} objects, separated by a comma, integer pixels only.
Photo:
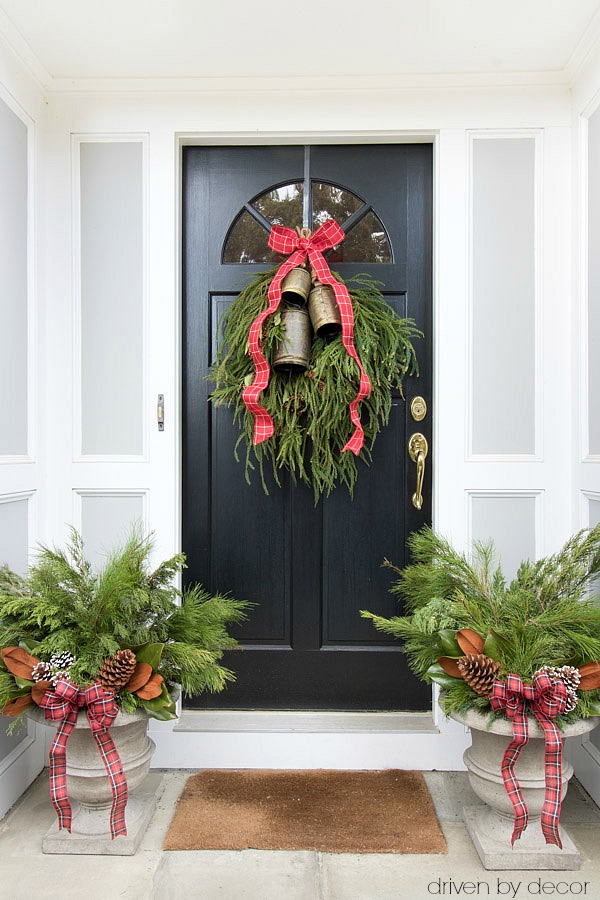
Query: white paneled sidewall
[
  {"x": 21, "y": 756},
  {"x": 584, "y": 752}
]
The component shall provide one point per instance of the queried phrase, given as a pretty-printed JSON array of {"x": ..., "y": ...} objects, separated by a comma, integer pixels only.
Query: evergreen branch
[{"x": 310, "y": 411}]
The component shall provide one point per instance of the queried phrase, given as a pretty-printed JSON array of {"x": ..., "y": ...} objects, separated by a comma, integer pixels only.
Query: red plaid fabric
[
  {"x": 62, "y": 705},
  {"x": 545, "y": 699},
  {"x": 286, "y": 241}
]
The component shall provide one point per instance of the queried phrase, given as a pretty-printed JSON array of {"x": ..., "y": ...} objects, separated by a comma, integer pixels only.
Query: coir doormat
[{"x": 387, "y": 811}]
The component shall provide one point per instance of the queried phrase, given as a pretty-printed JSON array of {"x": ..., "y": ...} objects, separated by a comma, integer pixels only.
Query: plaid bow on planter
[
  {"x": 287, "y": 241},
  {"x": 545, "y": 699},
  {"x": 62, "y": 705}
]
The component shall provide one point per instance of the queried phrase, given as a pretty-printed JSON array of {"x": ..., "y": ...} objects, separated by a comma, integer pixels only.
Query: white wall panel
[
  {"x": 503, "y": 295},
  {"x": 509, "y": 520},
  {"x": 112, "y": 297},
  {"x": 107, "y": 520},
  {"x": 13, "y": 283},
  {"x": 594, "y": 519},
  {"x": 14, "y": 539},
  {"x": 593, "y": 157},
  {"x": 14, "y": 534}
]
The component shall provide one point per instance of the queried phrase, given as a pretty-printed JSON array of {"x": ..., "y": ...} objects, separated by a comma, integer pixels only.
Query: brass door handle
[{"x": 418, "y": 450}]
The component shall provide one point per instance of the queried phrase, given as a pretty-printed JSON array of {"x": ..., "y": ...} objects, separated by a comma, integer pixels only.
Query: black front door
[{"x": 308, "y": 570}]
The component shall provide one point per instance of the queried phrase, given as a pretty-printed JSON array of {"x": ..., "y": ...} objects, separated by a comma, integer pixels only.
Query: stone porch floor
[{"x": 153, "y": 874}]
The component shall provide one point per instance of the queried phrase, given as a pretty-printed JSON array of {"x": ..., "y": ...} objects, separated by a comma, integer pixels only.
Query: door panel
[{"x": 308, "y": 569}]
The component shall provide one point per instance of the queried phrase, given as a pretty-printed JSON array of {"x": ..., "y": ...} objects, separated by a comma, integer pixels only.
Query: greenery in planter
[
  {"x": 126, "y": 626},
  {"x": 310, "y": 410},
  {"x": 466, "y": 627}
]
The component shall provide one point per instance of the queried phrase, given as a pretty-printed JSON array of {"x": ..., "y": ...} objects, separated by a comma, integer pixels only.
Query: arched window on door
[{"x": 285, "y": 204}]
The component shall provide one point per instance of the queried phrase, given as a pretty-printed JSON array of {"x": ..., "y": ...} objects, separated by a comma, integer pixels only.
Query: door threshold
[{"x": 306, "y": 721}]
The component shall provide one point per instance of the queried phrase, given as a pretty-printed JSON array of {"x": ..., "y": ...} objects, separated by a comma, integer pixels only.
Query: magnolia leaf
[
  {"x": 469, "y": 641},
  {"x": 16, "y": 705},
  {"x": 450, "y": 666},
  {"x": 449, "y": 643},
  {"x": 594, "y": 708},
  {"x": 439, "y": 676},
  {"x": 23, "y": 682},
  {"x": 40, "y": 689},
  {"x": 162, "y": 707},
  {"x": 29, "y": 644},
  {"x": 18, "y": 661},
  {"x": 590, "y": 676},
  {"x": 491, "y": 648},
  {"x": 149, "y": 653},
  {"x": 152, "y": 688},
  {"x": 141, "y": 676}
]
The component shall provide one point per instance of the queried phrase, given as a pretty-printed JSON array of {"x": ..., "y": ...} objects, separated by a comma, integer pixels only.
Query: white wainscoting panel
[
  {"x": 509, "y": 519},
  {"x": 593, "y": 304},
  {"x": 107, "y": 519},
  {"x": 13, "y": 283},
  {"x": 14, "y": 532},
  {"x": 111, "y": 256},
  {"x": 503, "y": 294},
  {"x": 14, "y": 538}
]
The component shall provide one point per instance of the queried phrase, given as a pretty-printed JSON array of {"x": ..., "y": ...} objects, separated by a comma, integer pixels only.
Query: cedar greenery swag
[
  {"x": 126, "y": 627},
  {"x": 467, "y": 629},
  {"x": 310, "y": 409}
]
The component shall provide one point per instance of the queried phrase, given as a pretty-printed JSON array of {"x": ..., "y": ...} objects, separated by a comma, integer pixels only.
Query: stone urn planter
[
  {"x": 490, "y": 826},
  {"x": 90, "y": 791}
]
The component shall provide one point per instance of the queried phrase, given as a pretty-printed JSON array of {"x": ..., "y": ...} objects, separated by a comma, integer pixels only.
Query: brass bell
[
  {"x": 292, "y": 353},
  {"x": 324, "y": 311},
  {"x": 296, "y": 286}
]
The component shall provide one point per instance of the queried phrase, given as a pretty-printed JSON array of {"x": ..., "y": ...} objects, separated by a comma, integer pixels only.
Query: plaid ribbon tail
[
  {"x": 263, "y": 423},
  {"x": 553, "y": 773},
  {"x": 118, "y": 781},
  {"x": 355, "y": 444},
  {"x": 57, "y": 774},
  {"x": 511, "y": 784}
]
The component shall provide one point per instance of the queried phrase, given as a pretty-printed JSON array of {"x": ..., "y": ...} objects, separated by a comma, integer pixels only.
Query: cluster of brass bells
[{"x": 306, "y": 307}]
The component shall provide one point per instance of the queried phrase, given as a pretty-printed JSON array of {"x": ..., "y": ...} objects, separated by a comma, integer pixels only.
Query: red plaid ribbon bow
[
  {"x": 62, "y": 705},
  {"x": 286, "y": 240},
  {"x": 546, "y": 699}
]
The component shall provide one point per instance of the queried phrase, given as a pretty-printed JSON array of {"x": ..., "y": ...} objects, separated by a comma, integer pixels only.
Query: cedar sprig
[
  {"x": 544, "y": 616},
  {"x": 63, "y": 604}
]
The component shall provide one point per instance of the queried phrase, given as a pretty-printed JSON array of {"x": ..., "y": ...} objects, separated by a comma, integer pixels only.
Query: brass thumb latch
[{"x": 417, "y": 450}]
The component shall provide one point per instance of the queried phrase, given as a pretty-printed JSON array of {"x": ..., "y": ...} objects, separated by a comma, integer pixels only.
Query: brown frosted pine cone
[
  {"x": 116, "y": 671},
  {"x": 480, "y": 672}
]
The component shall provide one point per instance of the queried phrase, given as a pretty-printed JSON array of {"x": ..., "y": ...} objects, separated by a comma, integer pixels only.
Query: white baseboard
[{"x": 286, "y": 740}]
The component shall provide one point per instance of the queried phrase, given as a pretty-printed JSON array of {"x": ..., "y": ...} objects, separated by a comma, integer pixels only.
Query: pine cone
[
  {"x": 62, "y": 662},
  {"x": 479, "y": 672},
  {"x": 41, "y": 671},
  {"x": 115, "y": 671},
  {"x": 570, "y": 677}
]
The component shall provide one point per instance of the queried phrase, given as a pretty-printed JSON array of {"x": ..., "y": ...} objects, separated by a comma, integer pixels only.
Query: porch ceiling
[{"x": 65, "y": 42}]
